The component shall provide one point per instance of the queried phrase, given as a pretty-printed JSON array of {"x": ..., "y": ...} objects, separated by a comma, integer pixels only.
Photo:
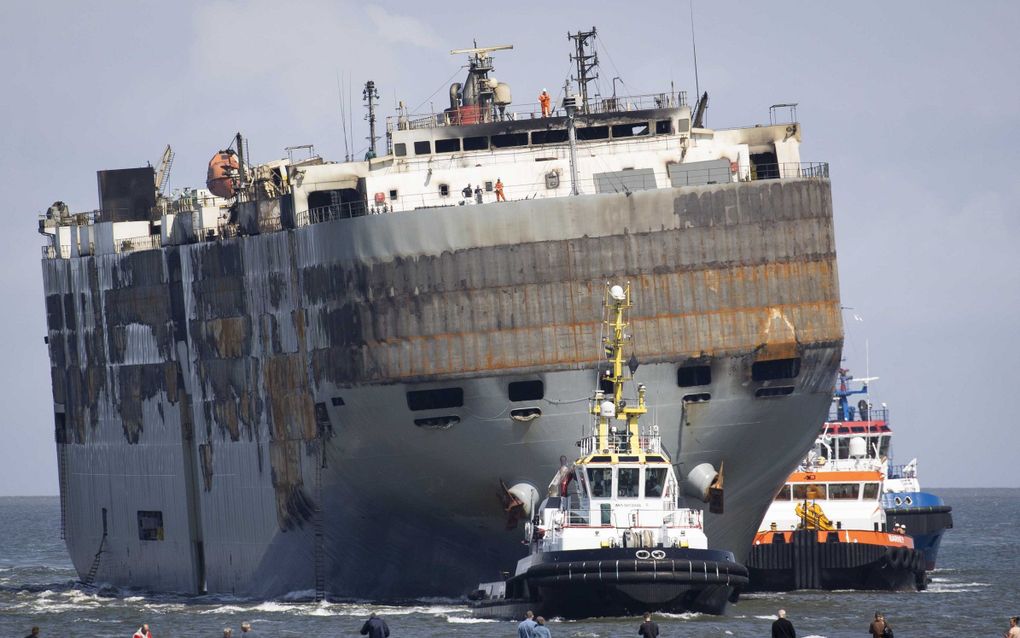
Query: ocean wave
[
  {"x": 687, "y": 615},
  {"x": 460, "y": 620}
]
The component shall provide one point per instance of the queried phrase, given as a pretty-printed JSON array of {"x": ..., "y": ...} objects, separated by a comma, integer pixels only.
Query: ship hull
[{"x": 235, "y": 416}]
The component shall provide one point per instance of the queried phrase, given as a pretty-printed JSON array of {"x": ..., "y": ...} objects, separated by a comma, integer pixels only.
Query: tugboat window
[
  {"x": 870, "y": 491},
  {"x": 601, "y": 480},
  {"x": 808, "y": 491},
  {"x": 655, "y": 481},
  {"x": 627, "y": 482},
  {"x": 844, "y": 491},
  {"x": 150, "y": 526},
  {"x": 784, "y": 493}
]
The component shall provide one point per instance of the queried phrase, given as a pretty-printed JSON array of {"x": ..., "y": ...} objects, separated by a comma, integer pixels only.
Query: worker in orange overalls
[
  {"x": 546, "y": 102},
  {"x": 499, "y": 191}
]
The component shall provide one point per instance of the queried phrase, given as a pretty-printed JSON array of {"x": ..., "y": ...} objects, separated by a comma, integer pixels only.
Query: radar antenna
[
  {"x": 370, "y": 94},
  {"x": 587, "y": 62}
]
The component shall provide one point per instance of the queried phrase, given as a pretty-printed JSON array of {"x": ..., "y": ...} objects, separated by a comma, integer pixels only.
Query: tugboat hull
[
  {"x": 822, "y": 560},
  {"x": 615, "y": 582}
]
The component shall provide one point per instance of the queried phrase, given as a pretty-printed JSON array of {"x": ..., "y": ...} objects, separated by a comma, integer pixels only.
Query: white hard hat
[{"x": 543, "y": 90}]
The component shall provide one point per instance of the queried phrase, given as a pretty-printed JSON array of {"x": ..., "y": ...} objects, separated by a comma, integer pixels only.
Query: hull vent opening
[
  {"x": 700, "y": 397},
  {"x": 690, "y": 376},
  {"x": 438, "y": 422},
  {"x": 525, "y": 415},
  {"x": 781, "y": 391},
  {"x": 775, "y": 369}
]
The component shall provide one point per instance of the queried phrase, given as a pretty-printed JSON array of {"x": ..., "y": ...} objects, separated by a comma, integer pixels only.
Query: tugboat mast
[{"x": 618, "y": 301}]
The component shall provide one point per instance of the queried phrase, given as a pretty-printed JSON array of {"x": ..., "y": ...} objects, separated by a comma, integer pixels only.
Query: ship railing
[
  {"x": 532, "y": 111},
  {"x": 623, "y": 518},
  {"x": 143, "y": 242},
  {"x": 320, "y": 214},
  {"x": 620, "y": 443},
  {"x": 901, "y": 471},
  {"x": 872, "y": 414}
]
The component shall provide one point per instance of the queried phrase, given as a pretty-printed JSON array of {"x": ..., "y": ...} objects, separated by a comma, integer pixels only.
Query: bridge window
[
  {"x": 476, "y": 143},
  {"x": 423, "y": 148},
  {"x": 688, "y": 376},
  {"x": 526, "y": 390},
  {"x": 870, "y": 491},
  {"x": 400, "y": 149},
  {"x": 509, "y": 140},
  {"x": 593, "y": 133},
  {"x": 448, "y": 146},
  {"x": 655, "y": 481},
  {"x": 554, "y": 136},
  {"x": 437, "y": 399},
  {"x": 784, "y": 493},
  {"x": 664, "y": 127},
  {"x": 630, "y": 130},
  {"x": 627, "y": 482},
  {"x": 775, "y": 369},
  {"x": 150, "y": 525},
  {"x": 601, "y": 481},
  {"x": 844, "y": 491}
]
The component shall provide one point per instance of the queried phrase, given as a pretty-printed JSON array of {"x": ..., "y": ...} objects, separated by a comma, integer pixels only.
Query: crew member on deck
[
  {"x": 546, "y": 101},
  {"x": 499, "y": 190}
]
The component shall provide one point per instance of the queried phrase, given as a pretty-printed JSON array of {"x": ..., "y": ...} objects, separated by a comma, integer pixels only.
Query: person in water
[
  {"x": 375, "y": 627},
  {"x": 526, "y": 628},
  {"x": 782, "y": 627},
  {"x": 540, "y": 630},
  {"x": 649, "y": 628},
  {"x": 1014, "y": 628},
  {"x": 878, "y": 626}
]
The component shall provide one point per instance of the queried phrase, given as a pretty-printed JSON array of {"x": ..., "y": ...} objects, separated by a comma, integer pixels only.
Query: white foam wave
[
  {"x": 687, "y": 615},
  {"x": 468, "y": 621}
]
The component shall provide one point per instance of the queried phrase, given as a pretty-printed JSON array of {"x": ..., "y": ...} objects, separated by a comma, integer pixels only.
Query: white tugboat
[{"x": 611, "y": 537}]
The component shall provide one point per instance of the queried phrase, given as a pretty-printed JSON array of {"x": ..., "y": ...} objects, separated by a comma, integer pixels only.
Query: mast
[
  {"x": 618, "y": 302},
  {"x": 370, "y": 95},
  {"x": 570, "y": 105},
  {"x": 587, "y": 62}
]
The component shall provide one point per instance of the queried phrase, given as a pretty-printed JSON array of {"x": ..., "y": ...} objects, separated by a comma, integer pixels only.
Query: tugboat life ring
[
  {"x": 658, "y": 554},
  {"x": 641, "y": 554}
]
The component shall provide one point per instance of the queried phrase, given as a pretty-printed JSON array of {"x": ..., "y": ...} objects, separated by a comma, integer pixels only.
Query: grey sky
[{"x": 915, "y": 105}]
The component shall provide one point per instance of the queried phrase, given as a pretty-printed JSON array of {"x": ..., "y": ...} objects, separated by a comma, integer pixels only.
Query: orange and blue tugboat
[{"x": 826, "y": 529}]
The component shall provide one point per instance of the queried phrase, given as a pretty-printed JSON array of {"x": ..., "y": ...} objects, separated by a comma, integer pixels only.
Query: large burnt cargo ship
[{"x": 314, "y": 376}]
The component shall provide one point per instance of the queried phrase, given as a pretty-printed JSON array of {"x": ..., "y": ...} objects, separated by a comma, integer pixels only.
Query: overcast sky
[{"x": 914, "y": 104}]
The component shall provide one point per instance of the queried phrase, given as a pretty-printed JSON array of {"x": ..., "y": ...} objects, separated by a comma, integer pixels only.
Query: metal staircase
[{"x": 319, "y": 550}]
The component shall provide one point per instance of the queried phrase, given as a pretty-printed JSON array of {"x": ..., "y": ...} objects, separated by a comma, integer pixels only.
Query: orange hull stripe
[
  {"x": 833, "y": 477},
  {"x": 864, "y": 537}
]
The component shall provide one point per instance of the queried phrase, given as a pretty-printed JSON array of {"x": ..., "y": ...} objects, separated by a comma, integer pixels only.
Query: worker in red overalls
[
  {"x": 546, "y": 102},
  {"x": 499, "y": 191}
]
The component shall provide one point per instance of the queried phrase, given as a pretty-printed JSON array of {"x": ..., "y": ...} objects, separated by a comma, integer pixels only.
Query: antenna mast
[
  {"x": 371, "y": 95},
  {"x": 587, "y": 62}
]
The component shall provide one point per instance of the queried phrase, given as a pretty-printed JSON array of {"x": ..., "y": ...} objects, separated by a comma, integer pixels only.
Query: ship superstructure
[{"x": 314, "y": 375}]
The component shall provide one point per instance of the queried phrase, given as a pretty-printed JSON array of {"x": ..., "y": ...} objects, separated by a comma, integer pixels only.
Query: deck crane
[{"x": 163, "y": 173}]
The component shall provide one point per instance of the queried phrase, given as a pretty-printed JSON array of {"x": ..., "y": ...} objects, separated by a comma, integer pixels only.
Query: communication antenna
[
  {"x": 343, "y": 117},
  {"x": 587, "y": 61},
  {"x": 694, "y": 46},
  {"x": 370, "y": 95}
]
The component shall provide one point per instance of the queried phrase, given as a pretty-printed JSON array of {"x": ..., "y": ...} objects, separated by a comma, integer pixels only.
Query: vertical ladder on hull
[
  {"x": 62, "y": 477},
  {"x": 94, "y": 568},
  {"x": 319, "y": 550}
]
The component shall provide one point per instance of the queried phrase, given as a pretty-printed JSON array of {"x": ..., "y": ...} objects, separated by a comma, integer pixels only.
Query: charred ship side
[{"x": 252, "y": 381}]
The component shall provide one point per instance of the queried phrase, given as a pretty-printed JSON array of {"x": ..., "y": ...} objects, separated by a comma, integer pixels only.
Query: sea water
[{"x": 975, "y": 589}]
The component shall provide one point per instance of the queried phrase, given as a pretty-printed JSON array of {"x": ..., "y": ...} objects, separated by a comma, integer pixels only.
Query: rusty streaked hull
[{"x": 253, "y": 390}]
